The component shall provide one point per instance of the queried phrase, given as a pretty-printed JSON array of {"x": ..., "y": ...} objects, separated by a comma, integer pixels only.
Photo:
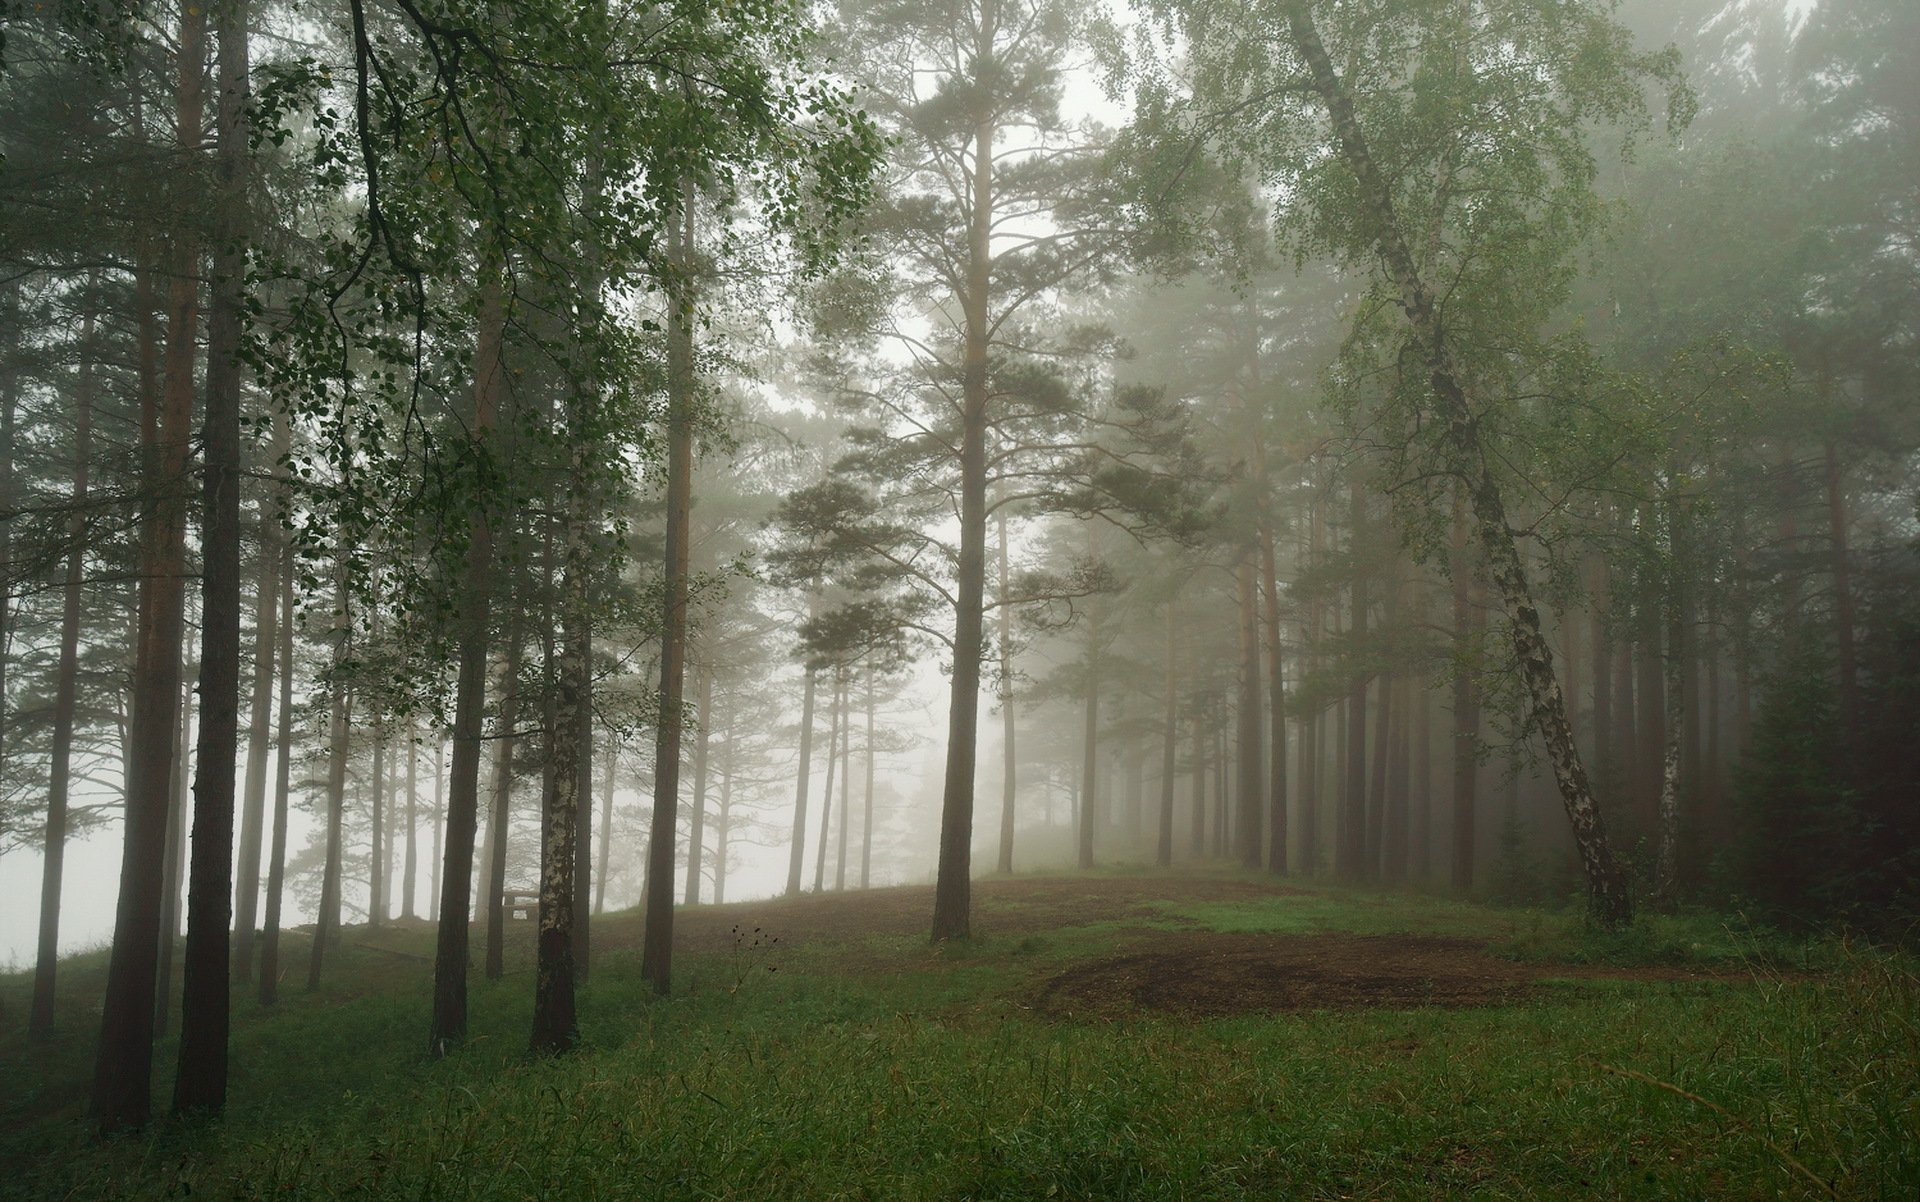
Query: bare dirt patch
[{"x": 1209, "y": 975}]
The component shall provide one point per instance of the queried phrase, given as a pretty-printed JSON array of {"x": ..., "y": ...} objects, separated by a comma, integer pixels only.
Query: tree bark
[
  {"x": 282, "y": 786},
  {"x": 65, "y": 696},
  {"x": 123, "y": 1065},
  {"x": 448, "y": 1025},
  {"x": 656, "y": 957},
  {"x": 696, "y": 833},
  {"x": 260, "y": 721},
  {"x": 953, "y": 886},
  {"x": 326, "y": 927},
  {"x": 1009, "y": 761},
  {"x": 1607, "y": 898},
  {"x": 201, "y": 1082},
  {"x": 796, "y": 851},
  {"x": 836, "y": 709},
  {"x": 493, "y": 872}
]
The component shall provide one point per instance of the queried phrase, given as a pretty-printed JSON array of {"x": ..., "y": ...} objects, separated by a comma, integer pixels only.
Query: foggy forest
[{"x": 959, "y": 599}]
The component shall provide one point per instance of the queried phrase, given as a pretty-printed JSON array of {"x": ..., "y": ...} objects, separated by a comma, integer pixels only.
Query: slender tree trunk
[
  {"x": 1423, "y": 773},
  {"x": 1607, "y": 897},
  {"x": 1197, "y": 835},
  {"x": 725, "y": 826},
  {"x": 1605, "y": 757},
  {"x": 448, "y": 1026},
  {"x": 377, "y": 837},
  {"x": 1276, "y": 711},
  {"x": 866, "y": 836},
  {"x": 846, "y": 793},
  {"x": 1843, "y": 607},
  {"x": 953, "y": 887},
  {"x": 439, "y": 823},
  {"x": 1394, "y": 830},
  {"x": 260, "y": 720},
  {"x": 1250, "y": 795},
  {"x": 410, "y": 867},
  {"x": 796, "y": 851},
  {"x": 282, "y": 787},
  {"x": 1667, "y": 864},
  {"x": 1383, "y": 719},
  {"x": 836, "y": 709},
  {"x": 123, "y": 1065},
  {"x": 1467, "y": 619},
  {"x": 201, "y": 1082},
  {"x": 176, "y": 861},
  {"x": 326, "y": 928},
  {"x": 555, "y": 1024},
  {"x": 581, "y": 918},
  {"x": 1351, "y": 858},
  {"x": 656, "y": 958},
  {"x": 493, "y": 874},
  {"x": 1009, "y": 761},
  {"x": 611, "y": 756},
  {"x": 1090, "y": 744},
  {"x": 696, "y": 834},
  {"x": 1169, "y": 722},
  {"x": 1312, "y": 732},
  {"x": 65, "y": 695}
]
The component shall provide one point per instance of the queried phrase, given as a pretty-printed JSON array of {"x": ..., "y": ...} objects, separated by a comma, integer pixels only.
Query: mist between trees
[{"x": 469, "y": 459}]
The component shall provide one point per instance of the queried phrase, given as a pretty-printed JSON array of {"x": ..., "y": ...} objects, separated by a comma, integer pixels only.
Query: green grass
[{"x": 882, "y": 1068}]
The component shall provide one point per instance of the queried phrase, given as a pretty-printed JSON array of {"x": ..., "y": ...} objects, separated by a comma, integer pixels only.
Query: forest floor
[{"x": 1121, "y": 1034}]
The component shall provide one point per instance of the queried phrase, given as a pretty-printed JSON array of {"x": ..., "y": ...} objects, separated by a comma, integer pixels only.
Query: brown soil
[{"x": 1207, "y": 975}]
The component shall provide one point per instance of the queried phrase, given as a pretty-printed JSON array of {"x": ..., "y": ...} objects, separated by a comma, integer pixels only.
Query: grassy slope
[{"x": 865, "y": 1065}]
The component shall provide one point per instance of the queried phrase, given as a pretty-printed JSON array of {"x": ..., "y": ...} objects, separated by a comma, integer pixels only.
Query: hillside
[{"x": 1126, "y": 1035}]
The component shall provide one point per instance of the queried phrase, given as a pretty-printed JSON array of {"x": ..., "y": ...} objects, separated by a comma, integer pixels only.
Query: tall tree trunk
[
  {"x": 836, "y": 708},
  {"x": 1843, "y": 615},
  {"x": 1170, "y": 733},
  {"x": 796, "y": 850},
  {"x": 1423, "y": 771},
  {"x": 1467, "y": 620},
  {"x": 123, "y": 1064},
  {"x": 612, "y": 757},
  {"x": 1312, "y": 733},
  {"x": 260, "y": 719},
  {"x": 1394, "y": 830},
  {"x": 1351, "y": 850},
  {"x": 410, "y": 867},
  {"x": 581, "y": 921},
  {"x": 555, "y": 1023},
  {"x": 1276, "y": 711},
  {"x": 696, "y": 833},
  {"x": 1197, "y": 820},
  {"x": 725, "y": 826},
  {"x": 1383, "y": 719},
  {"x": 866, "y": 835},
  {"x": 1250, "y": 795},
  {"x": 65, "y": 694},
  {"x": 846, "y": 793},
  {"x": 439, "y": 823},
  {"x": 1667, "y": 861},
  {"x": 1090, "y": 745},
  {"x": 953, "y": 886},
  {"x": 201, "y": 1083},
  {"x": 175, "y": 861},
  {"x": 493, "y": 873},
  {"x": 1607, "y": 898},
  {"x": 326, "y": 927},
  {"x": 656, "y": 958},
  {"x": 377, "y": 838},
  {"x": 282, "y": 786},
  {"x": 1009, "y": 761},
  {"x": 1605, "y": 757},
  {"x": 448, "y": 1025}
]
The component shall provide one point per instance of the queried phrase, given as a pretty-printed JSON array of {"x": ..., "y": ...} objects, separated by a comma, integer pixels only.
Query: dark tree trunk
[
  {"x": 326, "y": 928},
  {"x": 836, "y": 708},
  {"x": 656, "y": 957},
  {"x": 1250, "y": 783},
  {"x": 493, "y": 873},
  {"x": 65, "y": 693},
  {"x": 448, "y": 1026},
  {"x": 696, "y": 833},
  {"x": 201, "y": 1082},
  {"x": 1467, "y": 619},
  {"x": 1170, "y": 720},
  {"x": 796, "y": 851},
  {"x": 953, "y": 887},
  {"x": 123, "y": 1065},
  {"x": 1276, "y": 712},
  {"x": 282, "y": 786},
  {"x": 1351, "y": 858}
]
